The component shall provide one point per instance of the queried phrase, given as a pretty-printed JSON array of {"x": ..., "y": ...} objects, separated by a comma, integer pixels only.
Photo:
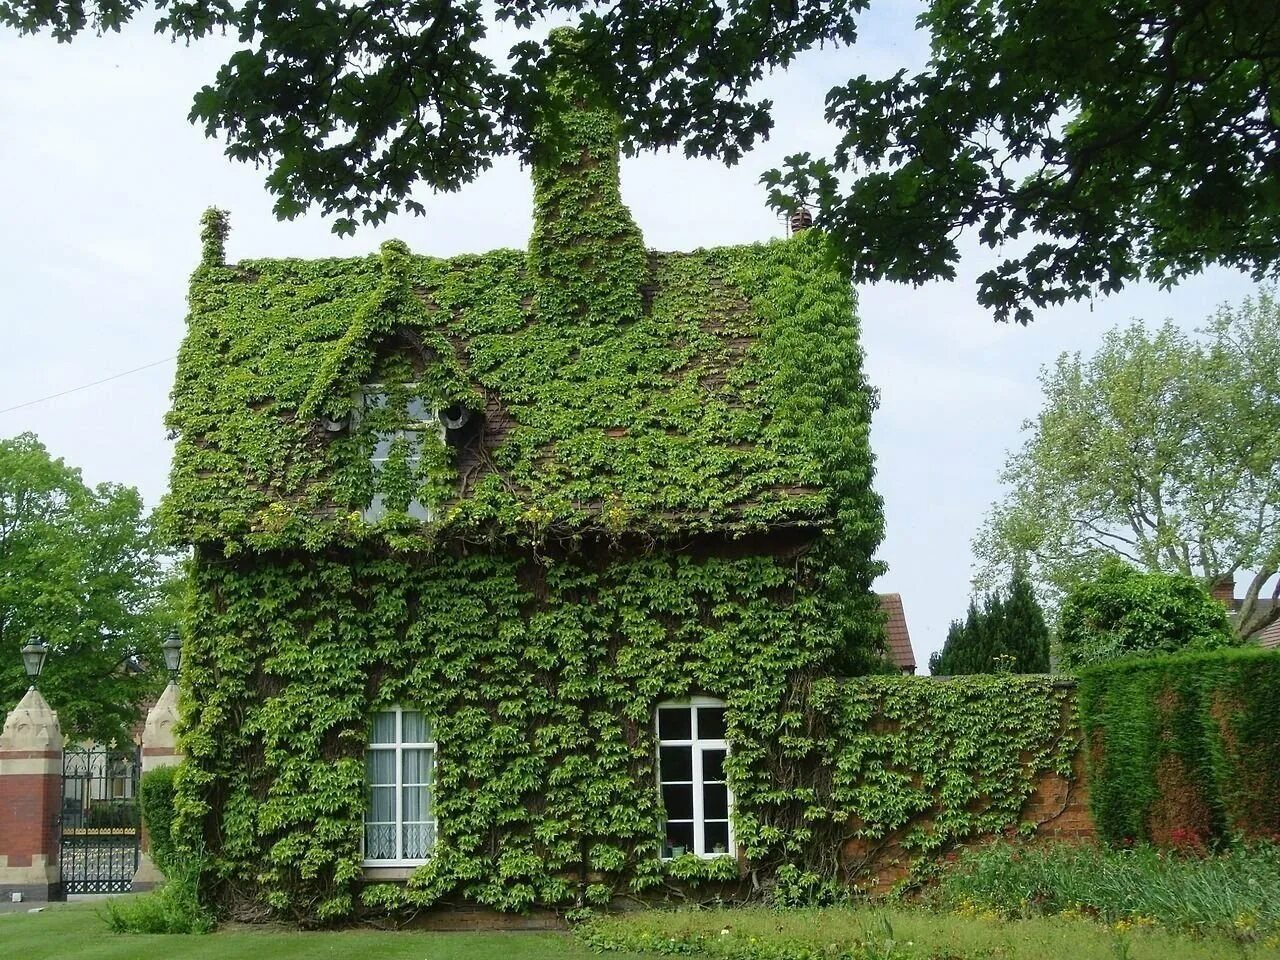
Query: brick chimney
[{"x": 1224, "y": 590}]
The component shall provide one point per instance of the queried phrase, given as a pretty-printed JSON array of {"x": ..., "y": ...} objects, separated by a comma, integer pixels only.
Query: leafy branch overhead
[{"x": 1094, "y": 143}]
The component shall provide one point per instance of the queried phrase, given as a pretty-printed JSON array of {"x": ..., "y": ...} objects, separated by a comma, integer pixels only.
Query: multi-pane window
[
  {"x": 399, "y": 821},
  {"x": 419, "y": 421},
  {"x": 695, "y": 797}
]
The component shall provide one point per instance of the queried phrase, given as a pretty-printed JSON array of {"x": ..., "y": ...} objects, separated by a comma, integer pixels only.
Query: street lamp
[
  {"x": 33, "y": 655},
  {"x": 172, "y": 648}
]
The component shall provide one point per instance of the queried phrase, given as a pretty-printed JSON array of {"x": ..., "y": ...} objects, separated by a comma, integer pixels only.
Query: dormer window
[{"x": 397, "y": 449}]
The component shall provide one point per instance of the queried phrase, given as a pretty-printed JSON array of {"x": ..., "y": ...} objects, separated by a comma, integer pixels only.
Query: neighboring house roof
[
  {"x": 1268, "y": 636},
  {"x": 897, "y": 637}
]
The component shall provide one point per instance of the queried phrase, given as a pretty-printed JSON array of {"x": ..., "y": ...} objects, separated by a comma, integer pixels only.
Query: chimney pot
[
  {"x": 1224, "y": 590},
  {"x": 801, "y": 220}
]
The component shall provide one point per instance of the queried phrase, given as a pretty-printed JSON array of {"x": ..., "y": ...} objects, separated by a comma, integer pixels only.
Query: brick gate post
[
  {"x": 30, "y": 800},
  {"x": 159, "y": 749}
]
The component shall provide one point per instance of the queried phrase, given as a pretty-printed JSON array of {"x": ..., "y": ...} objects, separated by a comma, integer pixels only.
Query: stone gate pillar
[
  {"x": 159, "y": 749},
  {"x": 30, "y": 800}
]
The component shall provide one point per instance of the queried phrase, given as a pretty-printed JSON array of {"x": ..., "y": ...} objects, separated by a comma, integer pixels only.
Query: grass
[
  {"x": 77, "y": 932},
  {"x": 1233, "y": 893},
  {"x": 834, "y": 933}
]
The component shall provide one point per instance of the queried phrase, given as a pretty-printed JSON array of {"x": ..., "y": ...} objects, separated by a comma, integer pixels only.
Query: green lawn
[{"x": 76, "y": 933}]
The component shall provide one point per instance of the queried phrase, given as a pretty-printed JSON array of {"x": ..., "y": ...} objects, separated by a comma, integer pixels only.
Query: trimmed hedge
[
  {"x": 156, "y": 793},
  {"x": 1184, "y": 750}
]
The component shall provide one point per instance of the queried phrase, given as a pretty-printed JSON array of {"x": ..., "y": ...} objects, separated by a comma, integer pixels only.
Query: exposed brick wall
[
  {"x": 1059, "y": 806},
  {"x": 28, "y": 805}
]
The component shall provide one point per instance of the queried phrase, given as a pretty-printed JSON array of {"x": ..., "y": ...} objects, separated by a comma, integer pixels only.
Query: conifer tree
[{"x": 1007, "y": 634}]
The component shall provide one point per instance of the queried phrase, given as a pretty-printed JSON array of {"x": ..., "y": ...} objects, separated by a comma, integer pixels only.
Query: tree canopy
[
  {"x": 1124, "y": 612},
  {"x": 1007, "y": 634},
  {"x": 1162, "y": 450},
  {"x": 1102, "y": 142},
  {"x": 79, "y": 569}
]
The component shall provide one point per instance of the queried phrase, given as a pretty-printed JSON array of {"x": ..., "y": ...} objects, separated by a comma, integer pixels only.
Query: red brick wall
[
  {"x": 28, "y": 805},
  {"x": 1059, "y": 806}
]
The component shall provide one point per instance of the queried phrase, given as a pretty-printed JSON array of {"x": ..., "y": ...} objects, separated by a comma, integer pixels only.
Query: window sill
[
  {"x": 700, "y": 856},
  {"x": 400, "y": 871}
]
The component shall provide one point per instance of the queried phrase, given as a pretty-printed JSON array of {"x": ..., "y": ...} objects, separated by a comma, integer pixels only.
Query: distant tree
[
  {"x": 1133, "y": 140},
  {"x": 1125, "y": 612},
  {"x": 1162, "y": 450},
  {"x": 79, "y": 567},
  {"x": 1007, "y": 634}
]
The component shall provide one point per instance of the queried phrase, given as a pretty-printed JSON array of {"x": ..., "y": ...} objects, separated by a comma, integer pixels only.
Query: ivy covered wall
[{"x": 666, "y": 491}]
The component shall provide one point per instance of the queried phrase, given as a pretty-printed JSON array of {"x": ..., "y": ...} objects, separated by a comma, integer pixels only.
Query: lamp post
[
  {"x": 33, "y": 655},
  {"x": 172, "y": 648}
]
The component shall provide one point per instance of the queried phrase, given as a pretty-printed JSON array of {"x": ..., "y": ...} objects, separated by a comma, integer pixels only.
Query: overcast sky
[{"x": 105, "y": 180}]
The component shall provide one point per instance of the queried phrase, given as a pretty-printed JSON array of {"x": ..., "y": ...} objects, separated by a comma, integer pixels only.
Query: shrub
[
  {"x": 155, "y": 793},
  {"x": 1125, "y": 612},
  {"x": 1182, "y": 750},
  {"x": 174, "y": 907},
  {"x": 1232, "y": 892},
  {"x": 841, "y": 933}
]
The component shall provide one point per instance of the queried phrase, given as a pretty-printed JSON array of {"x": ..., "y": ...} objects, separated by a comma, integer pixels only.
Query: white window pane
[
  {"x": 418, "y": 839},
  {"x": 384, "y": 728},
  {"x": 373, "y": 398},
  {"x": 417, "y": 766},
  {"x": 376, "y": 510},
  {"x": 380, "y": 767},
  {"x": 380, "y": 841},
  {"x": 416, "y": 804},
  {"x": 414, "y": 727},
  {"x": 382, "y": 446},
  {"x": 418, "y": 511},
  {"x": 420, "y": 410},
  {"x": 382, "y": 804}
]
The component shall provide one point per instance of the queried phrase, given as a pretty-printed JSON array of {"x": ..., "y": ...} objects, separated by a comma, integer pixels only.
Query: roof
[
  {"x": 1268, "y": 636},
  {"x": 896, "y": 636},
  {"x": 614, "y": 389}
]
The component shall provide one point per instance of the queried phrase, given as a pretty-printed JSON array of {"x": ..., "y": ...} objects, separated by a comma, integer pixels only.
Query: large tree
[
  {"x": 78, "y": 568},
  {"x": 1130, "y": 138},
  {"x": 1163, "y": 450}
]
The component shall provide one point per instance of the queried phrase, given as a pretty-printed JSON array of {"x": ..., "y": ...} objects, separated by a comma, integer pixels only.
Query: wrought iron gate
[{"x": 100, "y": 819}]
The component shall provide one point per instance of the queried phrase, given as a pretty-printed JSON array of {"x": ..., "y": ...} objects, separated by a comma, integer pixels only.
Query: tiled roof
[
  {"x": 1268, "y": 636},
  {"x": 897, "y": 637}
]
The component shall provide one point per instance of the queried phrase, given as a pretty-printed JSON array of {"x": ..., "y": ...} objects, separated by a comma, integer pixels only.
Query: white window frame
[
  {"x": 697, "y": 744},
  {"x": 399, "y": 746},
  {"x": 376, "y": 508}
]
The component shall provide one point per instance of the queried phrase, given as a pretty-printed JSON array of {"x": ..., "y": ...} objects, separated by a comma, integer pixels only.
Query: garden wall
[{"x": 929, "y": 765}]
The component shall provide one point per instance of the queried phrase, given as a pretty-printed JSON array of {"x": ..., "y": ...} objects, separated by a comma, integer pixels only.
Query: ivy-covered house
[{"x": 520, "y": 578}]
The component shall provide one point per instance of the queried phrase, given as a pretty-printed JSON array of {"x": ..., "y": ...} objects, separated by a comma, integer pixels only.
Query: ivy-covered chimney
[{"x": 586, "y": 253}]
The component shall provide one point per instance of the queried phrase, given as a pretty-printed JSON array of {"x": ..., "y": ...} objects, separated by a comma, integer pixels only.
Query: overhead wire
[{"x": 86, "y": 386}]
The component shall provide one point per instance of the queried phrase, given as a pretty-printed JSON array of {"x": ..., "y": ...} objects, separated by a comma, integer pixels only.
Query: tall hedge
[
  {"x": 156, "y": 792},
  {"x": 1184, "y": 749}
]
